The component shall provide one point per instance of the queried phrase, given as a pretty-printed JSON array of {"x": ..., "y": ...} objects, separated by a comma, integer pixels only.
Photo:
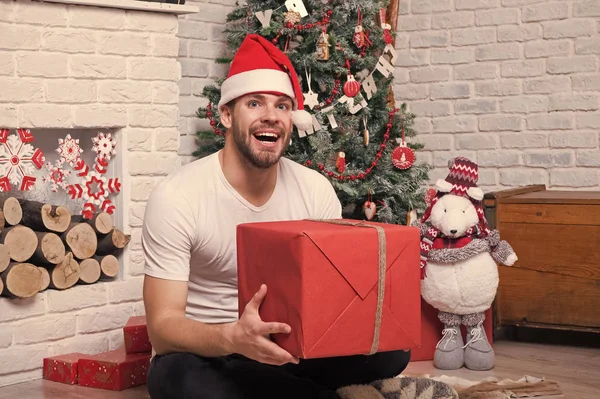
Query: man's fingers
[
  {"x": 257, "y": 299},
  {"x": 275, "y": 352},
  {"x": 274, "y": 328}
]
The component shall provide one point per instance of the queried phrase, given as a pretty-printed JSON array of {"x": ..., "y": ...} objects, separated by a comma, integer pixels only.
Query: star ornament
[{"x": 310, "y": 99}]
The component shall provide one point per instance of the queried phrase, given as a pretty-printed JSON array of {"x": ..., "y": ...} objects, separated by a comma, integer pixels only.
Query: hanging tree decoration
[
  {"x": 18, "y": 160},
  {"x": 403, "y": 156},
  {"x": 93, "y": 186}
]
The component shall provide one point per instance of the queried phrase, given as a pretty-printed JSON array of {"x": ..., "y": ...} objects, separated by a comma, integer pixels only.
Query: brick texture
[
  {"x": 76, "y": 67},
  {"x": 522, "y": 92}
]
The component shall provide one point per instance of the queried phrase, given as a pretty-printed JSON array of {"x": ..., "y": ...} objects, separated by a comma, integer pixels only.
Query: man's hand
[{"x": 249, "y": 336}]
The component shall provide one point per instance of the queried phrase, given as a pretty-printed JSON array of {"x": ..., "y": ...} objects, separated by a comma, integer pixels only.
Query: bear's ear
[
  {"x": 443, "y": 186},
  {"x": 475, "y": 193}
]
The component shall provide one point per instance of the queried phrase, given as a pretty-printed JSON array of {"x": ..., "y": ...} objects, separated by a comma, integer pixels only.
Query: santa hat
[
  {"x": 461, "y": 181},
  {"x": 260, "y": 67}
]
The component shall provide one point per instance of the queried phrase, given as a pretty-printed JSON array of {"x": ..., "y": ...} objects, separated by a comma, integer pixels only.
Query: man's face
[{"x": 261, "y": 127}]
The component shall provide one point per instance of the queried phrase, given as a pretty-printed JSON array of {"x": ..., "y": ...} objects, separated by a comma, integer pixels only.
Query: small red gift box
[
  {"x": 432, "y": 332},
  {"x": 135, "y": 335},
  {"x": 323, "y": 280},
  {"x": 115, "y": 370},
  {"x": 62, "y": 368}
]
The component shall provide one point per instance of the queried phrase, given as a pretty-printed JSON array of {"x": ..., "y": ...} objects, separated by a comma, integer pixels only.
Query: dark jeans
[{"x": 187, "y": 376}]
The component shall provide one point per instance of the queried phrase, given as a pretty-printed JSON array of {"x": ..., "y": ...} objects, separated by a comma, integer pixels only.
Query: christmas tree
[{"x": 343, "y": 53}]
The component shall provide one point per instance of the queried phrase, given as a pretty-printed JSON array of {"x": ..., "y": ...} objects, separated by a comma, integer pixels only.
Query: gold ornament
[
  {"x": 292, "y": 17},
  {"x": 323, "y": 47}
]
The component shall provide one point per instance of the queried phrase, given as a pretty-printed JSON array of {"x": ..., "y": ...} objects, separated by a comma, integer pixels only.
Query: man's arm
[{"x": 169, "y": 329}]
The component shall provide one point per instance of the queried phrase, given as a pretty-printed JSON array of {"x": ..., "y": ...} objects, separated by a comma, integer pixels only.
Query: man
[{"x": 190, "y": 288}]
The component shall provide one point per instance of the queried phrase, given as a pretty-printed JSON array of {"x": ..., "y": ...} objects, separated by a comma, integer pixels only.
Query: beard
[{"x": 261, "y": 159}]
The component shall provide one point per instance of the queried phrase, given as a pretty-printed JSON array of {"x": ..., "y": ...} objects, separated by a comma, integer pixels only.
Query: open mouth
[{"x": 267, "y": 138}]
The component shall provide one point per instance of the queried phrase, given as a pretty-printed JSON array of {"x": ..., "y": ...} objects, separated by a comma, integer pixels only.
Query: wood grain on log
[
  {"x": 45, "y": 279},
  {"x": 45, "y": 217},
  {"x": 2, "y": 221},
  {"x": 21, "y": 280},
  {"x": 89, "y": 271},
  {"x": 81, "y": 240},
  {"x": 101, "y": 222},
  {"x": 21, "y": 242},
  {"x": 66, "y": 273},
  {"x": 109, "y": 266},
  {"x": 4, "y": 257},
  {"x": 12, "y": 210},
  {"x": 50, "y": 249},
  {"x": 113, "y": 241}
]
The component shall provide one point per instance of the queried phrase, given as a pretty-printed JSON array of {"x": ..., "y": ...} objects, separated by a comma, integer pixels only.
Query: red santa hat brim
[{"x": 260, "y": 67}]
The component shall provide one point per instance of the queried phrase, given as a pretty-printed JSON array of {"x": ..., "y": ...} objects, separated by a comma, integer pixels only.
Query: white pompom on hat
[{"x": 260, "y": 67}]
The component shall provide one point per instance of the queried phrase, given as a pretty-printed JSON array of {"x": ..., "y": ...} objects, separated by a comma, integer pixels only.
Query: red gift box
[
  {"x": 62, "y": 368},
  {"x": 323, "y": 280},
  {"x": 431, "y": 332},
  {"x": 135, "y": 335},
  {"x": 115, "y": 370}
]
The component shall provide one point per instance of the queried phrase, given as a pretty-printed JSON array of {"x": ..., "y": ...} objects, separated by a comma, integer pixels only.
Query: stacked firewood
[{"x": 44, "y": 246}]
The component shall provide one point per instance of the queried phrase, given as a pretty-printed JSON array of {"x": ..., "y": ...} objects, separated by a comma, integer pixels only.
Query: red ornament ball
[
  {"x": 403, "y": 157},
  {"x": 351, "y": 87}
]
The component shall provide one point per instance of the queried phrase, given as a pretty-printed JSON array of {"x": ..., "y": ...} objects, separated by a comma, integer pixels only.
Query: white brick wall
[
  {"x": 201, "y": 41},
  {"x": 513, "y": 84},
  {"x": 75, "y": 67}
]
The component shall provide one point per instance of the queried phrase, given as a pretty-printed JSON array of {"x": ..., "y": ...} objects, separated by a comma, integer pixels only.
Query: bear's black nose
[{"x": 453, "y": 231}]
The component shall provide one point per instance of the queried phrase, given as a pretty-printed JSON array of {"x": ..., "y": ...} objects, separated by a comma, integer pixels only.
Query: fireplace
[{"x": 91, "y": 71}]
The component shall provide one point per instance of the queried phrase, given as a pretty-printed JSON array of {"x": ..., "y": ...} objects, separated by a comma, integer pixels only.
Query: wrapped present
[
  {"x": 345, "y": 287},
  {"x": 431, "y": 332},
  {"x": 135, "y": 335},
  {"x": 62, "y": 368},
  {"x": 115, "y": 370}
]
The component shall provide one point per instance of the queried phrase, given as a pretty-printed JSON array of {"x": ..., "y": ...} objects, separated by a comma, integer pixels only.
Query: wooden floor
[{"x": 576, "y": 369}]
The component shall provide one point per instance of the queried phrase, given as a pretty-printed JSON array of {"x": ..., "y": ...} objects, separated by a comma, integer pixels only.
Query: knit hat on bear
[
  {"x": 462, "y": 181},
  {"x": 260, "y": 67}
]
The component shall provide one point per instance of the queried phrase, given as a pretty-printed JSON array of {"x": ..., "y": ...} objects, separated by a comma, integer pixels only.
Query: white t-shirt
[{"x": 189, "y": 231}]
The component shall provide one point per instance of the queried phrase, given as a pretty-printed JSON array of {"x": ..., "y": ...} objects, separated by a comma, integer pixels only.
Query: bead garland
[{"x": 367, "y": 171}]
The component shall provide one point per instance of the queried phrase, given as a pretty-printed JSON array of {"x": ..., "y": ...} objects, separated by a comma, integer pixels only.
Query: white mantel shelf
[{"x": 133, "y": 5}]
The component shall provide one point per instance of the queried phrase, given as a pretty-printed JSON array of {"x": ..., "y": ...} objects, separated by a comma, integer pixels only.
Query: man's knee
[{"x": 184, "y": 375}]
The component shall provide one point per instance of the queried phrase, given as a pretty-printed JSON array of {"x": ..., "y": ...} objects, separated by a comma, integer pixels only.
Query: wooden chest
[{"x": 556, "y": 235}]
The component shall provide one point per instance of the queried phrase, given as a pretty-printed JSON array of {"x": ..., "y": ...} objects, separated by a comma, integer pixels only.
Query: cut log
[
  {"x": 50, "y": 249},
  {"x": 89, "y": 271},
  {"x": 1, "y": 286},
  {"x": 113, "y": 241},
  {"x": 65, "y": 274},
  {"x": 4, "y": 257},
  {"x": 45, "y": 278},
  {"x": 80, "y": 239},
  {"x": 21, "y": 280},
  {"x": 101, "y": 222},
  {"x": 11, "y": 208},
  {"x": 21, "y": 242},
  {"x": 45, "y": 217},
  {"x": 109, "y": 266},
  {"x": 2, "y": 221}
]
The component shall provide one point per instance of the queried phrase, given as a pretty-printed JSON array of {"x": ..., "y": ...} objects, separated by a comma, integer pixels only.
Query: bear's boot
[
  {"x": 449, "y": 352},
  {"x": 479, "y": 354}
]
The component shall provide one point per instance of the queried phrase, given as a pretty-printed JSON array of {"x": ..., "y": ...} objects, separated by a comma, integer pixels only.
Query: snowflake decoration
[
  {"x": 104, "y": 146},
  {"x": 56, "y": 175},
  {"x": 94, "y": 188},
  {"x": 18, "y": 160},
  {"x": 69, "y": 150}
]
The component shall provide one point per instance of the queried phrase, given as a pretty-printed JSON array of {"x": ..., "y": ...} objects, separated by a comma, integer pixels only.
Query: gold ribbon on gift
[{"x": 381, "y": 268}]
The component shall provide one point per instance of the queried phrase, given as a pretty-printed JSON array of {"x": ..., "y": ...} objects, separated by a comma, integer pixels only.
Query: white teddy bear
[{"x": 458, "y": 267}]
